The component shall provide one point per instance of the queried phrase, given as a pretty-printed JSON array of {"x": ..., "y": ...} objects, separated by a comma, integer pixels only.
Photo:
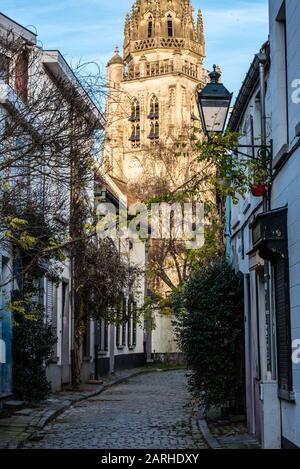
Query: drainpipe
[
  {"x": 227, "y": 228},
  {"x": 266, "y": 208}
]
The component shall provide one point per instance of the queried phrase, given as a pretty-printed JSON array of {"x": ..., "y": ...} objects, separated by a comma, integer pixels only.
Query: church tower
[
  {"x": 152, "y": 87},
  {"x": 151, "y": 111}
]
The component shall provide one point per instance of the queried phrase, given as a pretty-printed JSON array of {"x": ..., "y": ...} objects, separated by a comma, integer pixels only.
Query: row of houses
[
  {"x": 26, "y": 71},
  {"x": 265, "y": 232}
]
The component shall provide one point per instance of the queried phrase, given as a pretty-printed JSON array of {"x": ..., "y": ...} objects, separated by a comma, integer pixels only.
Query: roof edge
[
  {"x": 248, "y": 86},
  {"x": 18, "y": 28}
]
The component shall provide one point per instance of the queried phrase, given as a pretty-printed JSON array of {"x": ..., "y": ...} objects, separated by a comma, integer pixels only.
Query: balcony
[{"x": 160, "y": 68}]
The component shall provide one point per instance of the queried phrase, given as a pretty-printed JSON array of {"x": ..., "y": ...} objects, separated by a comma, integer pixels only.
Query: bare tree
[
  {"x": 172, "y": 172},
  {"x": 51, "y": 132}
]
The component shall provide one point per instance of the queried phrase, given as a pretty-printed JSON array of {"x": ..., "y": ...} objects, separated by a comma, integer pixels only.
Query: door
[{"x": 255, "y": 353}]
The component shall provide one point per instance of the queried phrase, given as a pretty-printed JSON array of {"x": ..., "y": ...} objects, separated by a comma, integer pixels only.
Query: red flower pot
[{"x": 258, "y": 190}]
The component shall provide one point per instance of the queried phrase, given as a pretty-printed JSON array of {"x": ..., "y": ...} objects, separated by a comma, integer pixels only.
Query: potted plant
[
  {"x": 259, "y": 184},
  {"x": 258, "y": 189}
]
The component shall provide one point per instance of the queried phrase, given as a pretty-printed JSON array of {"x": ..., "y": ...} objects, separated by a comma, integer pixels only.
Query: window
[
  {"x": 102, "y": 336},
  {"x": 154, "y": 118},
  {"x": 134, "y": 327},
  {"x": 65, "y": 318},
  {"x": 150, "y": 26},
  {"x": 282, "y": 78},
  {"x": 4, "y": 276},
  {"x": 121, "y": 325},
  {"x": 135, "y": 111},
  {"x": 4, "y": 68},
  {"x": 154, "y": 108},
  {"x": 135, "y": 118},
  {"x": 124, "y": 314},
  {"x": 135, "y": 136},
  {"x": 118, "y": 328},
  {"x": 170, "y": 26},
  {"x": 49, "y": 300},
  {"x": 129, "y": 330},
  {"x": 132, "y": 323},
  {"x": 283, "y": 323},
  {"x": 86, "y": 341},
  {"x": 22, "y": 76}
]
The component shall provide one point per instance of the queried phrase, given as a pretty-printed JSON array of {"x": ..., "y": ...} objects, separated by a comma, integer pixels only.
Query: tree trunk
[{"x": 76, "y": 363}]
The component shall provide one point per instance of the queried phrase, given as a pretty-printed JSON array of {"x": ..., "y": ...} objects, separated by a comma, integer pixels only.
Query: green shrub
[
  {"x": 210, "y": 333},
  {"x": 33, "y": 344}
]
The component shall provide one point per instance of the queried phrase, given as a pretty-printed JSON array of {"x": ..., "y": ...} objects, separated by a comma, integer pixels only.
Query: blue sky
[{"x": 90, "y": 29}]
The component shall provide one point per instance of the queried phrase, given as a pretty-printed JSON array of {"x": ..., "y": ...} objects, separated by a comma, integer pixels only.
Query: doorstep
[{"x": 4, "y": 397}]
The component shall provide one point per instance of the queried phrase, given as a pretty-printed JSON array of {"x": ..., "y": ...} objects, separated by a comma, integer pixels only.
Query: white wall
[{"x": 286, "y": 187}]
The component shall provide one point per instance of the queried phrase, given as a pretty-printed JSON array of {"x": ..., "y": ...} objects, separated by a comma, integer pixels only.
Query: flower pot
[{"x": 258, "y": 190}]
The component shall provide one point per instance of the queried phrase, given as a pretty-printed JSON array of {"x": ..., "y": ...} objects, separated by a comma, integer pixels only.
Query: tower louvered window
[
  {"x": 150, "y": 26},
  {"x": 154, "y": 119},
  {"x": 170, "y": 26},
  {"x": 135, "y": 120}
]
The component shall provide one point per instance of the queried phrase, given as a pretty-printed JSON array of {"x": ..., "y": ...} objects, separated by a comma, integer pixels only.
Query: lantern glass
[{"x": 214, "y": 102}]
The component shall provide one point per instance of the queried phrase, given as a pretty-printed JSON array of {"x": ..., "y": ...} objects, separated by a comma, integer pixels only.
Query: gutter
[
  {"x": 249, "y": 84},
  {"x": 11, "y": 25},
  {"x": 56, "y": 65}
]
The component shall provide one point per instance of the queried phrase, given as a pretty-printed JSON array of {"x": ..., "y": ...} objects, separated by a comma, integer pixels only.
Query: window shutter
[
  {"x": 129, "y": 330},
  {"x": 124, "y": 313},
  {"x": 283, "y": 324},
  {"x": 49, "y": 301},
  {"x": 134, "y": 332}
]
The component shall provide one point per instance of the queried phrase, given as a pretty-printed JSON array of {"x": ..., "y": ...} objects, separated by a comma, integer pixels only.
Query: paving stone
[{"x": 148, "y": 411}]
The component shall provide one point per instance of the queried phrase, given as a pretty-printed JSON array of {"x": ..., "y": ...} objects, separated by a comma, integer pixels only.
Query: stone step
[{"x": 12, "y": 405}]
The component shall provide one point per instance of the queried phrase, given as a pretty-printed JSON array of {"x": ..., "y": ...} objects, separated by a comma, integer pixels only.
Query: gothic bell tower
[
  {"x": 162, "y": 24},
  {"x": 151, "y": 111},
  {"x": 152, "y": 87}
]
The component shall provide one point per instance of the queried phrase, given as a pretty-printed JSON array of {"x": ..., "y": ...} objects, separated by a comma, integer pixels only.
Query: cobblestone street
[{"x": 150, "y": 411}]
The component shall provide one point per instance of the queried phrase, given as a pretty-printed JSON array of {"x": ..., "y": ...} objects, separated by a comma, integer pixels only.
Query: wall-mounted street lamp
[{"x": 214, "y": 102}]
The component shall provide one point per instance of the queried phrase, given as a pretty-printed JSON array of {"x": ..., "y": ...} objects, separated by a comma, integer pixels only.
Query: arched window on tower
[
  {"x": 154, "y": 119},
  {"x": 135, "y": 111},
  {"x": 135, "y": 120},
  {"x": 170, "y": 26},
  {"x": 156, "y": 130},
  {"x": 154, "y": 108},
  {"x": 150, "y": 26}
]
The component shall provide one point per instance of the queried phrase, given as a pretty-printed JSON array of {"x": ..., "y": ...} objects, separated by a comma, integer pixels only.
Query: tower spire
[
  {"x": 162, "y": 19},
  {"x": 200, "y": 31}
]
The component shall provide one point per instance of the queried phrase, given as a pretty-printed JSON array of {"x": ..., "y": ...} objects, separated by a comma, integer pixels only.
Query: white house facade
[{"x": 272, "y": 237}]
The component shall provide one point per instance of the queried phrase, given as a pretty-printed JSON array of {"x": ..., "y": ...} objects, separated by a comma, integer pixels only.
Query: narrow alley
[{"x": 149, "y": 411}]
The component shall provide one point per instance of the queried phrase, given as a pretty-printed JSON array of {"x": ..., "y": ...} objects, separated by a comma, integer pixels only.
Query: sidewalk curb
[
  {"x": 197, "y": 435},
  {"x": 211, "y": 441}
]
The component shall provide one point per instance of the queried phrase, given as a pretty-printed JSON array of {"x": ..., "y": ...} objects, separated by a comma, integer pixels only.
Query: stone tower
[
  {"x": 151, "y": 109},
  {"x": 152, "y": 87}
]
